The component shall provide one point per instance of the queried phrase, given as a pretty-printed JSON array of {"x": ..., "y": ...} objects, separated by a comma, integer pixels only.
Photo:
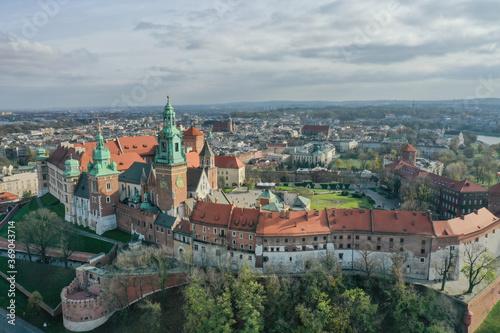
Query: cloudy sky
[{"x": 65, "y": 53}]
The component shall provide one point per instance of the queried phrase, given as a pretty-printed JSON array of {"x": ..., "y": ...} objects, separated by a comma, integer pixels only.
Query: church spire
[{"x": 170, "y": 149}]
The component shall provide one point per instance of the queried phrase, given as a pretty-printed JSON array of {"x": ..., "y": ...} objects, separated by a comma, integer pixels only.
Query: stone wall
[{"x": 481, "y": 305}]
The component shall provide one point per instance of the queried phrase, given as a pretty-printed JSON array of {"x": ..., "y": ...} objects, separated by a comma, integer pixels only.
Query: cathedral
[{"x": 145, "y": 198}]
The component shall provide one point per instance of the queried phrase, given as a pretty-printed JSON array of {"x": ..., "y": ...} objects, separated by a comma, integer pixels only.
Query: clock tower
[{"x": 170, "y": 164}]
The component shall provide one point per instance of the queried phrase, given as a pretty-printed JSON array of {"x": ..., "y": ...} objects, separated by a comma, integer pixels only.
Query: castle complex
[{"x": 164, "y": 189}]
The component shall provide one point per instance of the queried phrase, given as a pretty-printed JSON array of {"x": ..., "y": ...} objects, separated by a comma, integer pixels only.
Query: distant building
[
  {"x": 317, "y": 131},
  {"x": 224, "y": 126},
  {"x": 231, "y": 169}
]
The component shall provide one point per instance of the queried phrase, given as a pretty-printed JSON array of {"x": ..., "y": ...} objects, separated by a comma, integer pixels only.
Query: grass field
[
  {"x": 492, "y": 322},
  {"x": 49, "y": 200},
  {"x": 335, "y": 200},
  {"x": 47, "y": 279}
]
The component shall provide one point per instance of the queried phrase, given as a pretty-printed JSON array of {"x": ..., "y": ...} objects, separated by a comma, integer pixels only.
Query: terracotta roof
[
  {"x": 467, "y": 224},
  {"x": 193, "y": 131},
  {"x": 244, "y": 219},
  {"x": 193, "y": 159},
  {"x": 220, "y": 126},
  {"x": 402, "y": 222},
  {"x": 408, "y": 147},
  {"x": 408, "y": 171},
  {"x": 231, "y": 162},
  {"x": 211, "y": 213},
  {"x": 7, "y": 196},
  {"x": 350, "y": 219},
  {"x": 271, "y": 224},
  {"x": 495, "y": 189},
  {"x": 183, "y": 227},
  {"x": 142, "y": 145}
]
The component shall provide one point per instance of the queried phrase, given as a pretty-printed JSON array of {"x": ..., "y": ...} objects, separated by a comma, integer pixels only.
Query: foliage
[
  {"x": 35, "y": 302},
  {"x": 479, "y": 265}
]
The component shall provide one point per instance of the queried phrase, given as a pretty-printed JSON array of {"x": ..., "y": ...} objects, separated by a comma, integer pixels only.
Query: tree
[
  {"x": 456, "y": 171},
  {"x": 469, "y": 152},
  {"x": 453, "y": 144},
  {"x": 444, "y": 266},
  {"x": 479, "y": 265},
  {"x": 488, "y": 177},
  {"x": 338, "y": 163},
  {"x": 151, "y": 316},
  {"x": 367, "y": 263},
  {"x": 249, "y": 299},
  {"x": 361, "y": 311},
  {"x": 42, "y": 227},
  {"x": 27, "y": 194},
  {"x": 221, "y": 182},
  {"x": 363, "y": 158},
  {"x": 35, "y": 302},
  {"x": 68, "y": 243}
]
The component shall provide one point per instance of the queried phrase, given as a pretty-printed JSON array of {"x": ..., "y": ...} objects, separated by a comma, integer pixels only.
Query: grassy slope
[
  {"x": 492, "y": 322},
  {"x": 335, "y": 200},
  {"x": 47, "y": 279}
]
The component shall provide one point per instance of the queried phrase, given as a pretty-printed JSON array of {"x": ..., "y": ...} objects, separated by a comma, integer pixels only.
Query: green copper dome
[
  {"x": 41, "y": 154},
  {"x": 101, "y": 159},
  {"x": 170, "y": 149},
  {"x": 72, "y": 168}
]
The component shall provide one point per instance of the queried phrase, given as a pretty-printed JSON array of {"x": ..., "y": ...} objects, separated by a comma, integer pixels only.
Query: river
[{"x": 489, "y": 140}]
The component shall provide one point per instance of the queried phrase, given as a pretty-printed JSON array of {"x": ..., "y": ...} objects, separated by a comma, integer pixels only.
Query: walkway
[
  {"x": 20, "y": 327},
  {"x": 382, "y": 200}
]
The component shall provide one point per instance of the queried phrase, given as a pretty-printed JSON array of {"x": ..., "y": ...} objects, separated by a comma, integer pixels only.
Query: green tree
[
  {"x": 221, "y": 183},
  {"x": 469, "y": 152},
  {"x": 249, "y": 300},
  {"x": 338, "y": 163},
  {"x": 362, "y": 311},
  {"x": 151, "y": 316},
  {"x": 479, "y": 265},
  {"x": 35, "y": 302},
  {"x": 42, "y": 227},
  {"x": 68, "y": 243}
]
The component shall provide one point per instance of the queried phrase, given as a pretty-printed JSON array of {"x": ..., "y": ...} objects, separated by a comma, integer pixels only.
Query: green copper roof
[
  {"x": 273, "y": 207},
  {"x": 170, "y": 149},
  {"x": 267, "y": 194},
  {"x": 101, "y": 157},
  {"x": 72, "y": 168},
  {"x": 41, "y": 154}
]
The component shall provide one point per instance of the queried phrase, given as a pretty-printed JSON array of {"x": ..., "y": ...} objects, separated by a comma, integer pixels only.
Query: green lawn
[
  {"x": 47, "y": 279},
  {"x": 228, "y": 190},
  {"x": 335, "y": 200},
  {"x": 118, "y": 235},
  {"x": 492, "y": 322},
  {"x": 49, "y": 200},
  {"x": 55, "y": 324}
]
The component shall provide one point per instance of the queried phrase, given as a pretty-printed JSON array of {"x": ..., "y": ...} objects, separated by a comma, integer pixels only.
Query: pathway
[{"x": 382, "y": 200}]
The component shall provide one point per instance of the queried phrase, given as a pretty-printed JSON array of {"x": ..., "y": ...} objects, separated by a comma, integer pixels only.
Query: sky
[{"x": 66, "y": 53}]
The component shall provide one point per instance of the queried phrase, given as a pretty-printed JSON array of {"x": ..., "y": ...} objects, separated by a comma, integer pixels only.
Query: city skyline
[{"x": 64, "y": 54}]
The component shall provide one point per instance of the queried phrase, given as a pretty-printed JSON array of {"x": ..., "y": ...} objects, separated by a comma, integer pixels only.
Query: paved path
[
  {"x": 20, "y": 327},
  {"x": 52, "y": 252},
  {"x": 74, "y": 229},
  {"x": 382, "y": 200}
]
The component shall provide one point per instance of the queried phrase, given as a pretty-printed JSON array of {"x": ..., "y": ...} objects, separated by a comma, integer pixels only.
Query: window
[
  {"x": 241, "y": 236},
  {"x": 422, "y": 259},
  {"x": 341, "y": 237},
  {"x": 234, "y": 233},
  {"x": 303, "y": 239},
  {"x": 348, "y": 246},
  {"x": 196, "y": 247},
  {"x": 265, "y": 240},
  {"x": 341, "y": 246},
  {"x": 250, "y": 247},
  {"x": 242, "y": 246},
  {"x": 162, "y": 230},
  {"x": 277, "y": 240},
  {"x": 357, "y": 237},
  {"x": 349, "y": 237},
  {"x": 157, "y": 228},
  {"x": 215, "y": 240},
  {"x": 250, "y": 237},
  {"x": 204, "y": 229},
  {"x": 379, "y": 239},
  {"x": 168, "y": 231},
  {"x": 341, "y": 256},
  {"x": 204, "y": 238},
  {"x": 108, "y": 199},
  {"x": 215, "y": 231},
  {"x": 422, "y": 251},
  {"x": 423, "y": 242},
  {"x": 369, "y": 238},
  {"x": 391, "y": 239},
  {"x": 315, "y": 238},
  {"x": 402, "y": 240},
  {"x": 108, "y": 186},
  {"x": 378, "y": 247},
  {"x": 234, "y": 242}
]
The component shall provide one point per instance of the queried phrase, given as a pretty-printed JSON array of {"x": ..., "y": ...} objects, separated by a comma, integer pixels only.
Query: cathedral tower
[
  {"x": 170, "y": 164},
  {"x": 207, "y": 162}
]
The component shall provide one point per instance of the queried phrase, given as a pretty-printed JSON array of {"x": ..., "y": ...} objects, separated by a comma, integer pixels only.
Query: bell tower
[
  {"x": 170, "y": 164},
  {"x": 207, "y": 163}
]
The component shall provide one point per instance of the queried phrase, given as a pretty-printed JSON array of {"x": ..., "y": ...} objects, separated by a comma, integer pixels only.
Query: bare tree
[
  {"x": 479, "y": 265},
  {"x": 68, "y": 243},
  {"x": 444, "y": 266},
  {"x": 368, "y": 263},
  {"x": 398, "y": 259}
]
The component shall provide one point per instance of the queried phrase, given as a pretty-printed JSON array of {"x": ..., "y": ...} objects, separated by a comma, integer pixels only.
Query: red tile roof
[
  {"x": 211, "y": 213},
  {"x": 7, "y": 196},
  {"x": 350, "y": 220},
  {"x": 193, "y": 159},
  {"x": 142, "y": 145},
  {"x": 193, "y": 131},
  {"x": 231, "y": 162},
  {"x": 402, "y": 222},
  {"x": 408, "y": 147},
  {"x": 467, "y": 224},
  {"x": 271, "y": 224},
  {"x": 408, "y": 171},
  {"x": 244, "y": 219}
]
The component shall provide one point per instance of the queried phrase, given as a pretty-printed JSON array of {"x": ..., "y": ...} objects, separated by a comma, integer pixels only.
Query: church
[{"x": 147, "y": 195}]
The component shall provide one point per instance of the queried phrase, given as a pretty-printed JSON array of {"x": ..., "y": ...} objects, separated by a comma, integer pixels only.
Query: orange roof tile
[
  {"x": 467, "y": 224},
  {"x": 231, "y": 162},
  {"x": 271, "y": 224},
  {"x": 193, "y": 131},
  {"x": 402, "y": 222},
  {"x": 7, "y": 196},
  {"x": 350, "y": 219},
  {"x": 244, "y": 219},
  {"x": 142, "y": 145},
  {"x": 193, "y": 159},
  {"x": 408, "y": 147},
  {"x": 211, "y": 213}
]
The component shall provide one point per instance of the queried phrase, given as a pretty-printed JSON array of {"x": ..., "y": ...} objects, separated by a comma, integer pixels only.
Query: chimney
[
  {"x": 346, "y": 212},
  {"x": 396, "y": 213},
  {"x": 287, "y": 214},
  {"x": 216, "y": 199},
  {"x": 316, "y": 212},
  {"x": 475, "y": 211},
  {"x": 430, "y": 215},
  {"x": 295, "y": 224},
  {"x": 282, "y": 214},
  {"x": 260, "y": 208},
  {"x": 307, "y": 215}
]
